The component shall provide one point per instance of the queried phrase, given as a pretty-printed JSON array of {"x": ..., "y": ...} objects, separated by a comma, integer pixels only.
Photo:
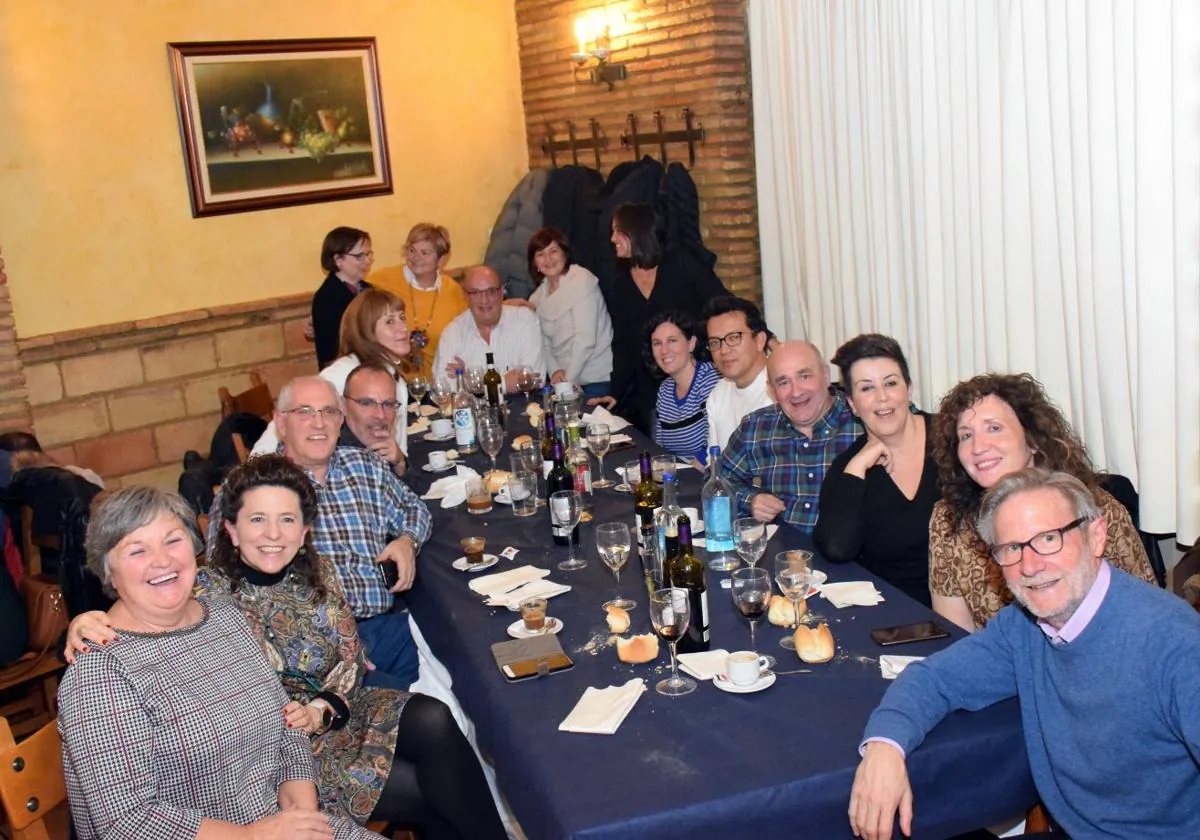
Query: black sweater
[{"x": 328, "y": 305}]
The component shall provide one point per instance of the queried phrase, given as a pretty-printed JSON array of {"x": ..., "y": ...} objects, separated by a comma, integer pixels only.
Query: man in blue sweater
[{"x": 1103, "y": 665}]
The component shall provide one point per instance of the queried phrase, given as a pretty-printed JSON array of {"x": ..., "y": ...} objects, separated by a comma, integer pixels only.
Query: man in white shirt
[
  {"x": 512, "y": 334},
  {"x": 737, "y": 339}
]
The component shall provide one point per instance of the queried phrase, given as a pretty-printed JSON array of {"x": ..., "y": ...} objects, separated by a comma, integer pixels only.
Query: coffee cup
[
  {"x": 693, "y": 515},
  {"x": 473, "y": 549},
  {"x": 441, "y": 428},
  {"x": 533, "y": 614},
  {"x": 438, "y": 460},
  {"x": 564, "y": 389},
  {"x": 745, "y": 667}
]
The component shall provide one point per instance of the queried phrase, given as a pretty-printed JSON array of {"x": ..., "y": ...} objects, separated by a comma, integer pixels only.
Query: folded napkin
[
  {"x": 601, "y": 711},
  {"x": 533, "y": 589},
  {"x": 452, "y": 489},
  {"x": 600, "y": 414},
  {"x": 890, "y": 665},
  {"x": 855, "y": 593},
  {"x": 705, "y": 665},
  {"x": 488, "y": 585}
]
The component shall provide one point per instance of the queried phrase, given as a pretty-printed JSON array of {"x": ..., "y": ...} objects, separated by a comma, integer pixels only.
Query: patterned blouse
[
  {"x": 163, "y": 730},
  {"x": 959, "y": 564},
  {"x": 313, "y": 646}
]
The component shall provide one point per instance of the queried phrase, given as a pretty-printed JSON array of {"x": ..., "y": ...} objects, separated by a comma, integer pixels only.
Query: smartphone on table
[{"x": 922, "y": 631}]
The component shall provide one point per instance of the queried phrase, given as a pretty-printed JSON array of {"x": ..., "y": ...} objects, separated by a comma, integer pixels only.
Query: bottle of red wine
[
  {"x": 560, "y": 478},
  {"x": 685, "y": 571}
]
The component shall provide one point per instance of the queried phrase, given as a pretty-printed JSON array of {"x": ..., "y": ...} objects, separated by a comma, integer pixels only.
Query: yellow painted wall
[{"x": 95, "y": 219}]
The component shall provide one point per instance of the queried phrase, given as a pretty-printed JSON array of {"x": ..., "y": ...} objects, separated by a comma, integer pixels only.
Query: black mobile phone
[
  {"x": 390, "y": 573},
  {"x": 922, "y": 631}
]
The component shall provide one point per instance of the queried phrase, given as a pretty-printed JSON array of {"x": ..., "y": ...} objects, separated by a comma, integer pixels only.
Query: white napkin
[
  {"x": 500, "y": 581},
  {"x": 705, "y": 665},
  {"x": 452, "y": 489},
  {"x": 854, "y": 593},
  {"x": 600, "y": 414},
  {"x": 890, "y": 665},
  {"x": 533, "y": 589},
  {"x": 601, "y": 711}
]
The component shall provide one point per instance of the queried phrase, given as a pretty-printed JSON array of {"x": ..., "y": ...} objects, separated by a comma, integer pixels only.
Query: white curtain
[{"x": 1008, "y": 186}]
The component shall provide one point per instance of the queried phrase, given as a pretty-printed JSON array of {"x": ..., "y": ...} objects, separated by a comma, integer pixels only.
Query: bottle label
[
  {"x": 546, "y": 467},
  {"x": 464, "y": 427},
  {"x": 704, "y": 613},
  {"x": 718, "y": 524},
  {"x": 583, "y": 479}
]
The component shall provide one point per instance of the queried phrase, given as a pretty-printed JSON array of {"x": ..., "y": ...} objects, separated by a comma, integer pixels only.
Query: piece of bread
[
  {"x": 535, "y": 411},
  {"x": 814, "y": 645},
  {"x": 638, "y": 649},
  {"x": 521, "y": 441},
  {"x": 782, "y": 613},
  {"x": 495, "y": 480},
  {"x": 618, "y": 619}
]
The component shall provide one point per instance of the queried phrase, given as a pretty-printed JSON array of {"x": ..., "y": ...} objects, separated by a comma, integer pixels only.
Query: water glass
[
  {"x": 565, "y": 511},
  {"x": 791, "y": 573},
  {"x": 630, "y": 475},
  {"x": 614, "y": 543},
  {"x": 529, "y": 459},
  {"x": 491, "y": 440},
  {"x": 660, "y": 464},
  {"x": 670, "y": 614},
  {"x": 522, "y": 490},
  {"x": 750, "y": 537}
]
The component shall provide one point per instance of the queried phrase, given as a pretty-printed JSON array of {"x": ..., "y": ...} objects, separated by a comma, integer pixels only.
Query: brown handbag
[{"x": 46, "y": 609}]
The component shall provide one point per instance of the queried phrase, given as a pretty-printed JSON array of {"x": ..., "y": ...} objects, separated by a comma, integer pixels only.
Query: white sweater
[
  {"x": 728, "y": 404},
  {"x": 576, "y": 325}
]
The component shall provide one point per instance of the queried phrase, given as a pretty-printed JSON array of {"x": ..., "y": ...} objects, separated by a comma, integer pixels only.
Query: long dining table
[{"x": 777, "y": 763}]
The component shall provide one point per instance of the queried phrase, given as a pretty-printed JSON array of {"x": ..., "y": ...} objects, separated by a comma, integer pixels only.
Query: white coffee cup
[
  {"x": 693, "y": 516},
  {"x": 745, "y": 667},
  {"x": 438, "y": 460},
  {"x": 442, "y": 427},
  {"x": 565, "y": 388}
]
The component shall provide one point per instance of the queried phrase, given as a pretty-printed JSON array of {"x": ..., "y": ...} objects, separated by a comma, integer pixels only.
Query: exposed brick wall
[
  {"x": 14, "y": 405},
  {"x": 679, "y": 53}
]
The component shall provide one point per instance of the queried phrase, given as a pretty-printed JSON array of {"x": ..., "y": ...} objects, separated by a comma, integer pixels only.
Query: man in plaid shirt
[
  {"x": 365, "y": 516},
  {"x": 777, "y": 458}
]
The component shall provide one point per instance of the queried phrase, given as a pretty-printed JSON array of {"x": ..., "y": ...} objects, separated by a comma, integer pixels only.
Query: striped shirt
[{"x": 682, "y": 425}]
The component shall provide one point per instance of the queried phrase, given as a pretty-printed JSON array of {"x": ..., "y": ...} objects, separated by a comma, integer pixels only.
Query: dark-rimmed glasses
[
  {"x": 1047, "y": 543},
  {"x": 733, "y": 339},
  {"x": 364, "y": 255},
  {"x": 370, "y": 405}
]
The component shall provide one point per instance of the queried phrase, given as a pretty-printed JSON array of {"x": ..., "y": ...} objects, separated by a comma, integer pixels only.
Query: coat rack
[
  {"x": 551, "y": 146},
  {"x": 690, "y": 134}
]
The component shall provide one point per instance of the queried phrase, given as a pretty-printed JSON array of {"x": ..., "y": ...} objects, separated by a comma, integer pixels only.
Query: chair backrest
[
  {"x": 257, "y": 400},
  {"x": 32, "y": 544},
  {"x": 31, "y": 779},
  {"x": 1122, "y": 489}
]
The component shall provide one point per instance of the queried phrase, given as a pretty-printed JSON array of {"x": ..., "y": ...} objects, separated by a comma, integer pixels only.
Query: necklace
[{"x": 419, "y": 338}]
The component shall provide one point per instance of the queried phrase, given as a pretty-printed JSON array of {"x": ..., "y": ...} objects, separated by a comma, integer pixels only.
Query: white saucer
[
  {"x": 517, "y": 628},
  {"x": 502, "y": 498},
  {"x": 438, "y": 439},
  {"x": 461, "y": 564},
  {"x": 765, "y": 681},
  {"x": 429, "y": 469}
]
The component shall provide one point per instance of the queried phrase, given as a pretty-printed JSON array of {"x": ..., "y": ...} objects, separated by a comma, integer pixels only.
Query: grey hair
[
  {"x": 1034, "y": 478},
  {"x": 284, "y": 401},
  {"x": 122, "y": 512}
]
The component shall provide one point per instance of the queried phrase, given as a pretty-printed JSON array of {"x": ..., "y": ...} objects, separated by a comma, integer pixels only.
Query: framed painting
[{"x": 275, "y": 123}]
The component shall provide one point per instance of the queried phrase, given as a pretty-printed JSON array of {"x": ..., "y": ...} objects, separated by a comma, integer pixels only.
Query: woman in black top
[
  {"x": 878, "y": 495},
  {"x": 346, "y": 254}
]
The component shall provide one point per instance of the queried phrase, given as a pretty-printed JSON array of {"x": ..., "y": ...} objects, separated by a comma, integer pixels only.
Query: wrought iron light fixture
[{"x": 594, "y": 31}]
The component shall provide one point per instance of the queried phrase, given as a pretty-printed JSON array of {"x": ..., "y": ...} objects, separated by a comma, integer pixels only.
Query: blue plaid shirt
[
  {"x": 361, "y": 507},
  {"x": 768, "y": 454}
]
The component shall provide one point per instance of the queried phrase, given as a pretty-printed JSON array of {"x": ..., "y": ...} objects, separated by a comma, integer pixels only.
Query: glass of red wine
[
  {"x": 670, "y": 613},
  {"x": 751, "y": 590}
]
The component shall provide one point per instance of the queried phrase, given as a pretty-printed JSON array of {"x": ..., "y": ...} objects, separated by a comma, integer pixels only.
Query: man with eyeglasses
[
  {"x": 1102, "y": 664},
  {"x": 737, "y": 340},
  {"x": 512, "y": 334},
  {"x": 366, "y": 517},
  {"x": 372, "y": 412}
]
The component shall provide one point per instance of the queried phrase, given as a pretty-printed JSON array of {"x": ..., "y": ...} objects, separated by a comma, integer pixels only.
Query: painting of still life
[{"x": 274, "y": 123}]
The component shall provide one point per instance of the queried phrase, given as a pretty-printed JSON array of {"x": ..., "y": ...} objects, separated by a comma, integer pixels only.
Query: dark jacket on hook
[{"x": 572, "y": 203}]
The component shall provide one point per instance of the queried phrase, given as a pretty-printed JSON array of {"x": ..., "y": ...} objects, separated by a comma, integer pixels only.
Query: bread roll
[
  {"x": 814, "y": 645},
  {"x": 495, "y": 480},
  {"x": 618, "y": 619},
  {"x": 638, "y": 649},
  {"x": 782, "y": 613},
  {"x": 521, "y": 441}
]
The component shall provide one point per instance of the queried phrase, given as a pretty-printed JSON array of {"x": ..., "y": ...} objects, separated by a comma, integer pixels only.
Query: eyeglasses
[
  {"x": 365, "y": 255},
  {"x": 329, "y": 412},
  {"x": 370, "y": 405},
  {"x": 480, "y": 294},
  {"x": 733, "y": 339},
  {"x": 1046, "y": 544}
]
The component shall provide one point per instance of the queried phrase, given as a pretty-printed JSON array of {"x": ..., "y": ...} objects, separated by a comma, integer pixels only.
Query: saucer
[
  {"x": 429, "y": 469},
  {"x": 517, "y": 629},
  {"x": 438, "y": 438},
  {"x": 461, "y": 564},
  {"x": 765, "y": 681}
]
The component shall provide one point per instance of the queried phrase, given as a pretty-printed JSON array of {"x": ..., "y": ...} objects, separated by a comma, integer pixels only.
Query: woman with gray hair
[{"x": 179, "y": 730}]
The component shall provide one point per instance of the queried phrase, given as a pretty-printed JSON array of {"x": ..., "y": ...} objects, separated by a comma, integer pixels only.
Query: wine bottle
[
  {"x": 560, "y": 478},
  {"x": 582, "y": 469},
  {"x": 685, "y": 571},
  {"x": 666, "y": 522},
  {"x": 717, "y": 504},
  {"x": 646, "y": 498},
  {"x": 464, "y": 417},
  {"x": 548, "y": 444},
  {"x": 493, "y": 383}
]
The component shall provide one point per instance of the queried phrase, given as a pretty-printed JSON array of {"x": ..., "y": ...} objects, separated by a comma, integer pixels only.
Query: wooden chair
[
  {"x": 380, "y": 827},
  {"x": 32, "y": 544},
  {"x": 31, "y": 780},
  {"x": 257, "y": 400}
]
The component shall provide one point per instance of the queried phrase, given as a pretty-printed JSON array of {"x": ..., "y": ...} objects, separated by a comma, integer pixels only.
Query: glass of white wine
[
  {"x": 791, "y": 573},
  {"x": 418, "y": 386},
  {"x": 613, "y": 541},
  {"x": 442, "y": 395},
  {"x": 599, "y": 439}
]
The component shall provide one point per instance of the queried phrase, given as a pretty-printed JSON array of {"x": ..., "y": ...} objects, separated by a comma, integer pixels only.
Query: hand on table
[
  {"x": 453, "y": 366},
  {"x": 880, "y": 787},
  {"x": 292, "y": 825},
  {"x": 608, "y": 402},
  {"x": 306, "y": 718},
  {"x": 764, "y": 507},
  {"x": 87, "y": 627},
  {"x": 404, "y": 552}
]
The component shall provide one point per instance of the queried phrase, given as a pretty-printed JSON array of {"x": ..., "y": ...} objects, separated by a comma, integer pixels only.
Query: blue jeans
[
  {"x": 390, "y": 646},
  {"x": 596, "y": 389}
]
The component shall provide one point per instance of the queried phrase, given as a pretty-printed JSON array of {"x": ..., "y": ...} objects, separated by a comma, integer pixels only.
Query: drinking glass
[
  {"x": 660, "y": 464},
  {"x": 630, "y": 475},
  {"x": 418, "y": 386},
  {"x": 565, "y": 511},
  {"x": 442, "y": 395},
  {"x": 527, "y": 380},
  {"x": 751, "y": 539},
  {"x": 522, "y": 490},
  {"x": 751, "y": 590},
  {"x": 529, "y": 459},
  {"x": 491, "y": 440},
  {"x": 791, "y": 573},
  {"x": 599, "y": 439},
  {"x": 474, "y": 380},
  {"x": 613, "y": 542},
  {"x": 670, "y": 613}
]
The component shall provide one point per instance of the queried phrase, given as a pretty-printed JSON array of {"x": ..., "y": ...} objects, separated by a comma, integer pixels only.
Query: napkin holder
[{"x": 537, "y": 656}]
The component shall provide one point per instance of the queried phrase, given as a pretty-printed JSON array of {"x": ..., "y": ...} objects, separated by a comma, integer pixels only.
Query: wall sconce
[{"x": 593, "y": 30}]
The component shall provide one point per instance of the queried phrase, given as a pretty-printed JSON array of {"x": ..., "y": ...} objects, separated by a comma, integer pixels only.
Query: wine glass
[
  {"x": 474, "y": 381},
  {"x": 670, "y": 613},
  {"x": 613, "y": 542},
  {"x": 599, "y": 439},
  {"x": 491, "y": 440},
  {"x": 442, "y": 396},
  {"x": 527, "y": 379},
  {"x": 751, "y": 536},
  {"x": 565, "y": 510},
  {"x": 791, "y": 573},
  {"x": 418, "y": 386},
  {"x": 751, "y": 590}
]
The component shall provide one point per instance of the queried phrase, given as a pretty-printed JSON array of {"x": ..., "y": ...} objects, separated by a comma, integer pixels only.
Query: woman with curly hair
[{"x": 986, "y": 428}]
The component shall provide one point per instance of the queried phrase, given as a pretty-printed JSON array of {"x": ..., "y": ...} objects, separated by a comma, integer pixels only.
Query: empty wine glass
[
  {"x": 670, "y": 613},
  {"x": 791, "y": 573},
  {"x": 527, "y": 380},
  {"x": 442, "y": 395},
  {"x": 474, "y": 380},
  {"x": 751, "y": 539},
  {"x": 613, "y": 542},
  {"x": 418, "y": 386},
  {"x": 751, "y": 591},
  {"x": 491, "y": 440},
  {"x": 599, "y": 439},
  {"x": 565, "y": 510}
]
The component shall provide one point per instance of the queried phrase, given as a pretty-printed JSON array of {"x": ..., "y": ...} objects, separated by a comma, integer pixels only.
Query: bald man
[
  {"x": 512, "y": 334},
  {"x": 777, "y": 458}
]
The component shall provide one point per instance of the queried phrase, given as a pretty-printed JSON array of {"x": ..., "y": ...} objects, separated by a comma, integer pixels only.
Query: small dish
[
  {"x": 622, "y": 488},
  {"x": 517, "y": 628},
  {"x": 502, "y": 498},
  {"x": 725, "y": 684},
  {"x": 462, "y": 565},
  {"x": 439, "y": 438},
  {"x": 446, "y": 468},
  {"x": 428, "y": 410}
]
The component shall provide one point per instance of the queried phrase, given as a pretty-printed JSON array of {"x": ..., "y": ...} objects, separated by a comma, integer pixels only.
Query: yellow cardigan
[{"x": 430, "y": 311}]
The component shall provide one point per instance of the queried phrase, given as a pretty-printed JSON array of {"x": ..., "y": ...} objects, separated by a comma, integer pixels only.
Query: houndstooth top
[{"x": 163, "y": 730}]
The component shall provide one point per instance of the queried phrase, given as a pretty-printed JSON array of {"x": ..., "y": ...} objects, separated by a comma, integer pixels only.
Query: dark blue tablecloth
[{"x": 778, "y": 763}]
